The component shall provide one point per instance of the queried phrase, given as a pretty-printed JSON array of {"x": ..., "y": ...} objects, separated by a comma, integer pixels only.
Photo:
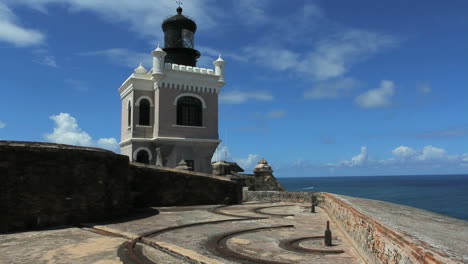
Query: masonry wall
[
  {"x": 44, "y": 184},
  {"x": 158, "y": 186},
  {"x": 378, "y": 242}
]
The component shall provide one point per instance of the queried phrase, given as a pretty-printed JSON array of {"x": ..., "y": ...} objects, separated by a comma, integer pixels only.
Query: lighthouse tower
[{"x": 170, "y": 113}]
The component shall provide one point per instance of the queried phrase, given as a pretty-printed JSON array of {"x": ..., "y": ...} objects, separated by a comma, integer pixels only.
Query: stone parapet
[
  {"x": 45, "y": 184},
  {"x": 159, "y": 186},
  {"x": 385, "y": 232}
]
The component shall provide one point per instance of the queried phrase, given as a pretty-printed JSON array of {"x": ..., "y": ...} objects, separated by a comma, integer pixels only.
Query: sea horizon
[
  {"x": 444, "y": 194},
  {"x": 398, "y": 175}
]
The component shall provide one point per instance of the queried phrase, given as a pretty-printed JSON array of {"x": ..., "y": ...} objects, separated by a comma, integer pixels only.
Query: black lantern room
[{"x": 179, "y": 32}]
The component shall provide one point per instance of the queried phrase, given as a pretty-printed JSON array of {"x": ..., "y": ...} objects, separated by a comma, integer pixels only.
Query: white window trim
[
  {"x": 144, "y": 97},
  {"x": 135, "y": 153},
  {"x": 192, "y": 95},
  {"x": 129, "y": 103}
]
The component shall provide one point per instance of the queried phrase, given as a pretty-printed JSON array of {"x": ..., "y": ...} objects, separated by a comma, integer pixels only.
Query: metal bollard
[
  {"x": 313, "y": 199},
  {"x": 328, "y": 236}
]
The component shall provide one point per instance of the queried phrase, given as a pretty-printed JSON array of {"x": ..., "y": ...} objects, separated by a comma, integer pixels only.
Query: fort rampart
[
  {"x": 45, "y": 184},
  {"x": 386, "y": 232},
  {"x": 157, "y": 186}
]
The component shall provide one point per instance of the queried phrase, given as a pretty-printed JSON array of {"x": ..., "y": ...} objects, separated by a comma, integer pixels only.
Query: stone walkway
[{"x": 248, "y": 233}]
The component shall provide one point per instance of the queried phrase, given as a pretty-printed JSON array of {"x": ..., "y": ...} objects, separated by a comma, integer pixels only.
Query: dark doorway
[
  {"x": 190, "y": 164},
  {"x": 142, "y": 157}
]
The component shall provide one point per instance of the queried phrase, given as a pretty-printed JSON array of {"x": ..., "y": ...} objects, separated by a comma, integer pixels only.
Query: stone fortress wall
[
  {"x": 385, "y": 232},
  {"x": 45, "y": 184}
]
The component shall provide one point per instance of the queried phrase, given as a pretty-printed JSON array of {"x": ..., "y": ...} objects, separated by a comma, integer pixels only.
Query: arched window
[
  {"x": 189, "y": 111},
  {"x": 142, "y": 157},
  {"x": 144, "y": 119},
  {"x": 129, "y": 117}
]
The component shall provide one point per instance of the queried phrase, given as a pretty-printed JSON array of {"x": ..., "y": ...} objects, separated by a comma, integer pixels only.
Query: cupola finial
[{"x": 179, "y": 9}]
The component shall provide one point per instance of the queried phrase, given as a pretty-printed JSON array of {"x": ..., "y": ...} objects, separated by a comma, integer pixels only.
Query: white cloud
[
  {"x": 332, "y": 89},
  {"x": 334, "y": 56},
  {"x": 424, "y": 88},
  {"x": 247, "y": 163},
  {"x": 276, "y": 113},
  {"x": 223, "y": 153},
  {"x": 124, "y": 57},
  {"x": 403, "y": 152},
  {"x": 379, "y": 97},
  {"x": 12, "y": 32},
  {"x": 360, "y": 159},
  {"x": 67, "y": 131},
  {"x": 210, "y": 54},
  {"x": 283, "y": 60},
  {"x": 143, "y": 16},
  {"x": 108, "y": 143},
  {"x": 238, "y": 97},
  {"x": 2, "y": 124},
  {"x": 405, "y": 157},
  {"x": 430, "y": 153},
  {"x": 330, "y": 57}
]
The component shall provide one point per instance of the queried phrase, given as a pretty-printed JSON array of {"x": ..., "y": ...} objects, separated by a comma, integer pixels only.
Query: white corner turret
[
  {"x": 140, "y": 70},
  {"x": 219, "y": 68},
  {"x": 158, "y": 61}
]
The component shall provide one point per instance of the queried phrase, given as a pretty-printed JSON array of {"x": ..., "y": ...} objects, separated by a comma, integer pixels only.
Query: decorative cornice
[{"x": 177, "y": 139}]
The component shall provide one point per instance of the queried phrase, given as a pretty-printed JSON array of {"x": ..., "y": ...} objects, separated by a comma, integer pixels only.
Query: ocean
[{"x": 443, "y": 194}]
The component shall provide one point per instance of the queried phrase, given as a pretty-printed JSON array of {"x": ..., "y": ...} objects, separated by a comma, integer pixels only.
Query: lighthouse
[{"x": 170, "y": 112}]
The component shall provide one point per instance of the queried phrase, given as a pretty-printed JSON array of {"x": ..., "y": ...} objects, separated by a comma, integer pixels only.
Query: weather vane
[{"x": 179, "y": 3}]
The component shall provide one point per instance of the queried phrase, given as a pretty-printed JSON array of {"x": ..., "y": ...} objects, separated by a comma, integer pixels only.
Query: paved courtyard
[{"x": 248, "y": 233}]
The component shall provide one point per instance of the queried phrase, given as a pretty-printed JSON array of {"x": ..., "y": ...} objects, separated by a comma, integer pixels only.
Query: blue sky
[{"x": 318, "y": 88}]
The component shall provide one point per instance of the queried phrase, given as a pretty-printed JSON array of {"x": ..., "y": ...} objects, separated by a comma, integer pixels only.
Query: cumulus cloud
[
  {"x": 379, "y": 97},
  {"x": 360, "y": 159},
  {"x": 247, "y": 163},
  {"x": 405, "y": 157},
  {"x": 403, "y": 152},
  {"x": 67, "y": 131},
  {"x": 332, "y": 89},
  {"x": 11, "y": 31},
  {"x": 2, "y": 124},
  {"x": 239, "y": 97},
  {"x": 429, "y": 153},
  {"x": 223, "y": 153},
  {"x": 107, "y": 143}
]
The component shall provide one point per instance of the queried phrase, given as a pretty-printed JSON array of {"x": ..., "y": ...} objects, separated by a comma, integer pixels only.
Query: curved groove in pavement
[
  {"x": 216, "y": 210},
  {"x": 130, "y": 253},
  {"x": 168, "y": 229},
  {"x": 294, "y": 245},
  {"x": 258, "y": 210},
  {"x": 219, "y": 244}
]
